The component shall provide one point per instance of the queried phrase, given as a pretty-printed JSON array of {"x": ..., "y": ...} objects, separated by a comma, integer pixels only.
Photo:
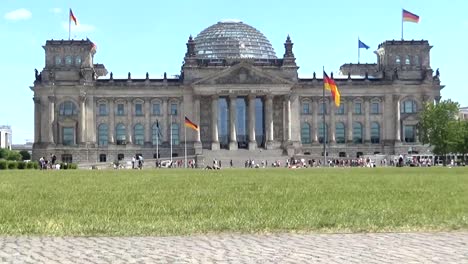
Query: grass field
[{"x": 168, "y": 202}]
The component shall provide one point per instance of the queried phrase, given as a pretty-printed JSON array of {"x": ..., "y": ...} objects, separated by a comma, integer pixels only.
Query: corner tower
[{"x": 405, "y": 60}]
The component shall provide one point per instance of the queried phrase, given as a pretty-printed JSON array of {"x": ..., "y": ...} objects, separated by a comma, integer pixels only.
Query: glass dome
[{"x": 232, "y": 39}]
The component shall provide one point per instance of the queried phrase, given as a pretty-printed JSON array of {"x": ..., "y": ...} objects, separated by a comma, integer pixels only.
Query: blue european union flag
[{"x": 362, "y": 45}]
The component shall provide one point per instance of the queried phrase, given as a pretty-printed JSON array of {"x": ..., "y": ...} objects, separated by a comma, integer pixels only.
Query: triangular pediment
[{"x": 242, "y": 73}]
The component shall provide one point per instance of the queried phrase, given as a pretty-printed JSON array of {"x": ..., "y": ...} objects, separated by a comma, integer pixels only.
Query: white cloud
[
  {"x": 18, "y": 14},
  {"x": 56, "y": 10},
  {"x": 80, "y": 28}
]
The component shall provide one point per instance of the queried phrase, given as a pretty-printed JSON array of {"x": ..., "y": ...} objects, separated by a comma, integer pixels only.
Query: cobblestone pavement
[{"x": 235, "y": 248}]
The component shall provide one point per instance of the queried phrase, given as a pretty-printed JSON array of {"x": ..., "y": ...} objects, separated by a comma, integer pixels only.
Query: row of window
[
  {"x": 103, "y": 109},
  {"x": 68, "y": 60},
  {"x": 407, "y": 106},
  {"x": 340, "y": 133},
  {"x": 415, "y": 60},
  {"x": 138, "y": 134},
  {"x": 306, "y": 108}
]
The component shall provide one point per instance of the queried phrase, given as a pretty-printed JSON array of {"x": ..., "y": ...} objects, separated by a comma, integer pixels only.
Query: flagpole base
[{"x": 198, "y": 148}]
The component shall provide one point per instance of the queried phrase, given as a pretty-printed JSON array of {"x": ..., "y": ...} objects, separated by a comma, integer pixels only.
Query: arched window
[
  {"x": 305, "y": 107},
  {"x": 139, "y": 134},
  {"x": 58, "y": 60},
  {"x": 408, "y": 106},
  {"x": 121, "y": 134},
  {"x": 67, "y": 108},
  {"x": 156, "y": 134},
  {"x": 175, "y": 133},
  {"x": 321, "y": 134},
  {"x": 305, "y": 133},
  {"x": 397, "y": 59},
  {"x": 340, "y": 132},
  {"x": 375, "y": 132},
  {"x": 102, "y": 135},
  {"x": 407, "y": 60},
  {"x": 78, "y": 61},
  {"x": 357, "y": 133}
]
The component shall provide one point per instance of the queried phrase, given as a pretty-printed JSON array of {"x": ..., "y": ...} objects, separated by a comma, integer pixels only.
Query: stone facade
[{"x": 82, "y": 117}]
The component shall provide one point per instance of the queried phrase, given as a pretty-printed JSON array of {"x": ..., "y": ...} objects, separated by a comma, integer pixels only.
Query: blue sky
[{"x": 142, "y": 36}]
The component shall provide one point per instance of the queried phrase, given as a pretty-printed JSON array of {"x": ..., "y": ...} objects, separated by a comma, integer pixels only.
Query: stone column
[
  {"x": 165, "y": 121},
  {"x": 90, "y": 121},
  {"x": 396, "y": 99},
  {"x": 349, "y": 125},
  {"x": 111, "y": 121},
  {"x": 214, "y": 123},
  {"x": 37, "y": 120},
  {"x": 294, "y": 118},
  {"x": 252, "y": 140},
  {"x": 148, "y": 139},
  {"x": 315, "y": 110},
  {"x": 367, "y": 134},
  {"x": 332, "y": 108},
  {"x": 82, "y": 123},
  {"x": 233, "y": 120},
  {"x": 50, "y": 125},
  {"x": 287, "y": 118},
  {"x": 129, "y": 121},
  {"x": 269, "y": 121}
]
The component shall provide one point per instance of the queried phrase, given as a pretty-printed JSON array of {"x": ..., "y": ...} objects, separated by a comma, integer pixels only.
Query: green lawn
[{"x": 177, "y": 201}]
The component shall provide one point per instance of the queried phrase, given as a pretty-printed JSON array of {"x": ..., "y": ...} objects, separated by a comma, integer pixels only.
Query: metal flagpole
[
  {"x": 69, "y": 25},
  {"x": 323, "y": 120},
  {"x": 171, "y": 141},
  {"x": 358, "y": 50},
  {"x": 157, "y": 141},
  {"x": 185, "y": 145},
  {"x": 402, "y": 24}
]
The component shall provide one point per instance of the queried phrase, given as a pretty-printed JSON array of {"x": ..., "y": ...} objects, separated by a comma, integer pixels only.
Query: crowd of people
[{"x": 50, "y": 163}]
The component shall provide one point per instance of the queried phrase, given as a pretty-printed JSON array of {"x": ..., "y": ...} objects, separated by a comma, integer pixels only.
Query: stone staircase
[{"x": 239, "y": 156}]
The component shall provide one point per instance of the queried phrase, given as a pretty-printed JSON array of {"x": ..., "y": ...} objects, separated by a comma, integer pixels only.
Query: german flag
[
  {"x": 410, "y": 17},
  {"x": 330, "y": 85},
  {"x": 73, "y": 18},
  {"x": 191, "y": 124}
]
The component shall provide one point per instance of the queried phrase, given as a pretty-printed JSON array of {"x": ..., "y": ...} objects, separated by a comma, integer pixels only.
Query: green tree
[
  {"x": 13, "y": 155},
  {"x": 462, "y": 137},
  {"x": 25, "y": 155},
  {"x": 438, "y": 126}
]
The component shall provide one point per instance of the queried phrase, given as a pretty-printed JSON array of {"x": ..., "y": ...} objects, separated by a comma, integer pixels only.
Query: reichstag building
[{"x": 241, "y": 94}]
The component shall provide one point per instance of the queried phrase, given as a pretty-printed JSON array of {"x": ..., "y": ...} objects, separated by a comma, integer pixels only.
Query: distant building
[
  {"x": 241, "y": 95},
  {"x": 463, "y": 113},
  {"x": 5, "y": 137}
]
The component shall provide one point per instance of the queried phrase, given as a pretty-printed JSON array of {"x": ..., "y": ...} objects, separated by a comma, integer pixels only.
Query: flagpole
[
  {"x": 171, "y": 140},
  {"x": 358, "y": 51},
  {"x": 402, "y": 24},
  {"x": 185, "y": 145},
  {"x": 157, "y": 142},
  {"x": 69, "y": 26},
  {"x": 323, "y": 120}
]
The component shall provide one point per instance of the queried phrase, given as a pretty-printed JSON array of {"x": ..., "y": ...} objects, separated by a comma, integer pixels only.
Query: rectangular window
[
  {"x": 410, "y": 133},
  {"x": 322, "y": 108},
  {"x": 120, "y": 156},
  {"x": 157, "y": 109},
  {"x": 102, "y": 109},
  {"x": 68, "y": 136},
  {"x": 120, "y": 109},
  {"x": 357, "y": 108},
  {"x": 173, "y": 109},
  {"x": 375, "y": 108},
  {"x": 138, "y": 109},
  {"x": 306, "y": 108},
  {"x": 102, "y": 158},
  {"x": 340, "y": 109}
]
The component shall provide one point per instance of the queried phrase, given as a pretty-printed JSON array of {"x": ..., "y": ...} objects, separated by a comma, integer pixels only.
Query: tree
[
  {"x": 462, "y": 137},
  {"x": 438, "y": 126},
  {"x": 25, "y": 155}
]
